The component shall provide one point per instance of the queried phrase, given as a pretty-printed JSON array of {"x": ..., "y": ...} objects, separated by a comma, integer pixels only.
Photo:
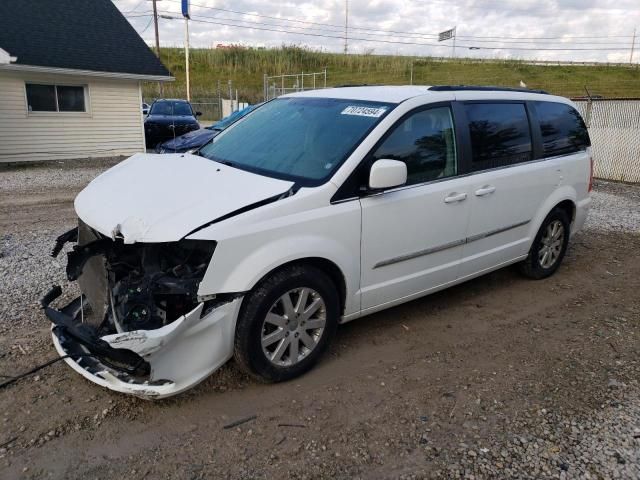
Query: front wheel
[
  {"x": 286, "y": 323},
  {"x": 549, "y": 246}
]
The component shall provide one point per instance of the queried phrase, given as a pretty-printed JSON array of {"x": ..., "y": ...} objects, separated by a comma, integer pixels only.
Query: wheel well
[
  {"x": 328, "y": 267},
  {"x": 569, "y": 207}
]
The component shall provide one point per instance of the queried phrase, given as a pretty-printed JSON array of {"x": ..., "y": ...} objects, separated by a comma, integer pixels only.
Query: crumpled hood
[
  {"x": 193, "y": 139},
  {"x": 161, "y": 198}
]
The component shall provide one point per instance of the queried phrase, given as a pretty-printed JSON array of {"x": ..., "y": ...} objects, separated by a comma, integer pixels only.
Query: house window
[{"x": 55, "y": 98}]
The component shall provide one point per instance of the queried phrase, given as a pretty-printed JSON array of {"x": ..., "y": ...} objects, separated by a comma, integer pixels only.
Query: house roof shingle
[{"x": 75, "y": 34}]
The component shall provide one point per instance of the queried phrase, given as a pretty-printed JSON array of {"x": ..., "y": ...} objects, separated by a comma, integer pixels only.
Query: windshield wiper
[{"x": 219, "y": 160}]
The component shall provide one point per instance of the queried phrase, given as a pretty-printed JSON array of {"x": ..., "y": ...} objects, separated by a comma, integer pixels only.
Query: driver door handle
[
  {"x": 486, "y": 190},
  {"x": 455, "y": 197}
]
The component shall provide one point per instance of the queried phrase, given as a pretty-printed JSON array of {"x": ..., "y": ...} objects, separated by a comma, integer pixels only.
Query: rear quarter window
[
  {"x": 500, "y": 134},
  {"x": 562, "y": 128}
]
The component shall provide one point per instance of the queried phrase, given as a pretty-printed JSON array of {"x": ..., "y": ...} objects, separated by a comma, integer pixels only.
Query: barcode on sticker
[{"x": 364, "y": 111}]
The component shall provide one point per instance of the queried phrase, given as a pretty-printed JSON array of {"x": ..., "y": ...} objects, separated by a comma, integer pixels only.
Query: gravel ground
[
  {"x": 72, "y": 175},
  {"x": 549, "y": 390},
  {"x": 614, "y": 207}
]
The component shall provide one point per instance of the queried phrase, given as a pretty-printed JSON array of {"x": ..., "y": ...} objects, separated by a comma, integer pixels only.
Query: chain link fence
[
  {"x": 209, "y": 108},
  {"x": 614, "y": 128},
  {"x": 277, "y": 85}
]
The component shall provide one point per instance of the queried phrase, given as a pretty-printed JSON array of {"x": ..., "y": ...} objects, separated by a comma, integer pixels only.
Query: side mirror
[
  {"x": 387, "y": 174},
  {"x": 198, "y": 114}
]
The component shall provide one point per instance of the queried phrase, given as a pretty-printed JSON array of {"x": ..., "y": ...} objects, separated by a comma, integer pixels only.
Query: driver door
[{"x": 413, "y": 236}]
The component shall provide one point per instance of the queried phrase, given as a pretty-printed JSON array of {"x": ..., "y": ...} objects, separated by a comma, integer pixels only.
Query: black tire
[
  {"x": 248, "y": 351},
  {"x": 532, "y": 267}
]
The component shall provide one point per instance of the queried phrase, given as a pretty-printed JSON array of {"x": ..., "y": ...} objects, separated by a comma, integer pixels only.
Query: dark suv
[{"x": 169, "y": 118}]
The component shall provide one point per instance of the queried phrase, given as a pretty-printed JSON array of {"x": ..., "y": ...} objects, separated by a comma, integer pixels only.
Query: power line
[
  {"x": 146, "y": 28},
  {"x": 259, "y": 26},
  {"x": 551, "y": 38},
  {"x": 134, "y": 8},
  {"x": 266, "y": 24},
  {"x": 139, "y": 15},
  {"x": 416, "y": 34},
  {"x": 283, "y": 19}
]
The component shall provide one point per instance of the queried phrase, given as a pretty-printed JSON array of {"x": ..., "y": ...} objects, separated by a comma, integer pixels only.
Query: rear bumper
[
  {"x": 180, "y": 354},
  {"x": 582, "y": 210}
]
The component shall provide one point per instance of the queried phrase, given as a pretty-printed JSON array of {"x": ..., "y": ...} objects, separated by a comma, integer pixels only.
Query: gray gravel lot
[
  {"x": 72, "y": 175},
  {"x": 614, "y": 207},
  {"x": 504, "y": 435}
]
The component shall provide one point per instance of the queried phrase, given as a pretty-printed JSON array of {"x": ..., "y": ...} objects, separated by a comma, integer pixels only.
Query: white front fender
[{"x": 253, "y": 244}]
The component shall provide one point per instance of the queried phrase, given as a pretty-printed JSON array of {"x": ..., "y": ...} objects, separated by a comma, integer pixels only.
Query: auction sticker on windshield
[{"x": 364, "y": 111}]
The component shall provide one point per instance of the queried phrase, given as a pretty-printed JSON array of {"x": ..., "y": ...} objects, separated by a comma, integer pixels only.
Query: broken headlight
[
  {"x": 140, "y": 286},
  {"x": 154, "y": 284}
]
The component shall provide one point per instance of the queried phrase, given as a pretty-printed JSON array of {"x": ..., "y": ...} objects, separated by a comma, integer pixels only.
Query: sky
[{"x": 596, "y": 30}]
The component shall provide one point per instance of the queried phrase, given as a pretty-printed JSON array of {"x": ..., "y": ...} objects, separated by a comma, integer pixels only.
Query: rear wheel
[
  {"x": 286, "y": 323},
  {"x": 549, "y": 246}
]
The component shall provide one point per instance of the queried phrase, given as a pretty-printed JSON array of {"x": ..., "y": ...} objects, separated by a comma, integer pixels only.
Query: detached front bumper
[{"x": 180, "y": 354}]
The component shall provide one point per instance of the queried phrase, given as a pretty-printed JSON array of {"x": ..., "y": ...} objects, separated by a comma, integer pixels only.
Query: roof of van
[{"x": 398, "y": 94}]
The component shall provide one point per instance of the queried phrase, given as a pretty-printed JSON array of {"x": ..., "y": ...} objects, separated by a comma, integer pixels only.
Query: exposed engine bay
[
  {"x": 139, "y": 317},
  {"x": 137, "y": 286}
]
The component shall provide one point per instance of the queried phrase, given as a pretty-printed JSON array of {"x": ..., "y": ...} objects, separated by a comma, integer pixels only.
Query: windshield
[
  {"x": 300, "y": 139},
  {"x": 171, "y": 108}
]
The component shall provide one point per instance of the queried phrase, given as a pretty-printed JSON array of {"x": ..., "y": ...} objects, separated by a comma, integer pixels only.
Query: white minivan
[{"x": 315, "y": 209}]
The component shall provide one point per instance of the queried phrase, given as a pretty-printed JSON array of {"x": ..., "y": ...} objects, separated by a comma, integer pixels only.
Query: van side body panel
[{"x": 304, "y": 225}]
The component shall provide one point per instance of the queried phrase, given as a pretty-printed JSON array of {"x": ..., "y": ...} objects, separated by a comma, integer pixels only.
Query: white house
[{"x": 71, "y": 75}]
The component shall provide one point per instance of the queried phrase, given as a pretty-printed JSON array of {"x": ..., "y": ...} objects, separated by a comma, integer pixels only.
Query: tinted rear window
[
  {"x": 562, "y": 128},
  {"x": 500, "y": 134}
]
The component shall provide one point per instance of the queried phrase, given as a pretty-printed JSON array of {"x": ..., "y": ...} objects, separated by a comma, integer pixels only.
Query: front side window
[
  {"x": 500, "y": 134},
  {"x": 562, "y": 128},
  {"x": 182, "y": 109},
  {"x": 55, "y": 98},
  {"x": 297, "y": 138},
  {"x": 425, "y": 141}
]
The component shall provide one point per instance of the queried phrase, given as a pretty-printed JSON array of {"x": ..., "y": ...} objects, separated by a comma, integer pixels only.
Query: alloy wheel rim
[
  {"x": 293, "y": 326},
  {"x": 552, "y": 242}
]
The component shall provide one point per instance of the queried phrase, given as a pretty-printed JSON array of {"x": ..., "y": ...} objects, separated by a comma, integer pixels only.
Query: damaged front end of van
[
  {"x": 139, "y": 326},
  {"x": 144, "y": 324}
]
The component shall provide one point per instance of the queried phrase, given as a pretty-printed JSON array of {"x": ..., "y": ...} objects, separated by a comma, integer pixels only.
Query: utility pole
[
  {"x": 633, "y": 45},
  {"x": 346, "y": 26},
  {"x": 155, "y": 22},
  {"x": 186, "y": 55},
  {"x": 454, "y": 41},
  {"x": 220, "y": 100}
]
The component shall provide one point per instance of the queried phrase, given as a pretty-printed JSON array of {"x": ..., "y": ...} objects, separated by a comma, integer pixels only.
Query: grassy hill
[{"x": 246, "y": 67}]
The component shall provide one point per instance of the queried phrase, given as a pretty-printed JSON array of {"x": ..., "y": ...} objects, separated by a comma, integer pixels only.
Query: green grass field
[{"x": 246, "y": 67}]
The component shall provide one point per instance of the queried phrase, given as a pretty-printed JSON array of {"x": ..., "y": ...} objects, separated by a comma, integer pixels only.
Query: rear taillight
[{"x": 590, "y": 173}]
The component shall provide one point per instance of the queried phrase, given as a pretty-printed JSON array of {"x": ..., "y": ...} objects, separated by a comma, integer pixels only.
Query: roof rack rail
[
  {"x": 483, "y": 88},
  {"x": 346, "y": 85}
]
